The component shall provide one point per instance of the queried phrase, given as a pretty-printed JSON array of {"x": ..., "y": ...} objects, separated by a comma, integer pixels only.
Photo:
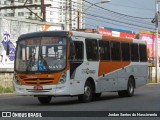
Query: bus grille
[{"x": 38, "y": 81}]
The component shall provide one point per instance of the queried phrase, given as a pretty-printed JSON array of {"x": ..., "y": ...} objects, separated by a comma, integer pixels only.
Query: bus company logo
[
  {"x": 88, "y": 71},
  {"x": 6, "y": 114}
]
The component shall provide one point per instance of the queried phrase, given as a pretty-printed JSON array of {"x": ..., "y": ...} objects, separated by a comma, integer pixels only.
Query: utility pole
[
  {"x": 43, "y": 10},
  {"x": 78, "y": 20},
  {"x": 70, "y": 15},
  {"x": 67, "y": 15},
  {"x": 156, "y": 44}
]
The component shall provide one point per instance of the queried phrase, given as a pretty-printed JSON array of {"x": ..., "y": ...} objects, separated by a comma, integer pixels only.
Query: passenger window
[
  {"x": 142, "y": 53},
  {"x": 125, "y": 48},
  {"x": 104, "y": 50},
  {"x": 115, "y": 51},
  {"x": 134, "y": 52},
  {"x": 92, "y": 50}
]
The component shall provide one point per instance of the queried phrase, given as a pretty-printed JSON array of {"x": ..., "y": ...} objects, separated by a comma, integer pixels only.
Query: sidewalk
[{"x": 153, "y": 83}]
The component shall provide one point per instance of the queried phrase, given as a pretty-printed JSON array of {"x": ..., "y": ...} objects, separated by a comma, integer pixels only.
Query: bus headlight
[
  {"x": 62, "y": 79},
  {"x": 16, "y": 80}
]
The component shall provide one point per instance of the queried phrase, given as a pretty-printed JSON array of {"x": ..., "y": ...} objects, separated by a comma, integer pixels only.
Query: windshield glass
[{"x": 41, "y": 54}]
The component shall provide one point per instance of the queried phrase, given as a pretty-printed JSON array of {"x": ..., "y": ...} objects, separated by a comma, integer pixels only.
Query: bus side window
[
  {"x": 143, "y": 53},
  {"x": 104, "y": 50},
  {"x": 115, "y": 51},
  {"x": 125, "y": 48},
  {"x": 134, "y": 52},
  {"x": 92, "y": 50}
]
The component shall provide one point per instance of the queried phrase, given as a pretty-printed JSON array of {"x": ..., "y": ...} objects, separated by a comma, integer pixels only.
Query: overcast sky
[{"x": 135, "y": 15}]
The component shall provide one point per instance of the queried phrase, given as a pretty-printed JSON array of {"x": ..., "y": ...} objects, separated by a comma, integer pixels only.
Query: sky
[{"x": 134, "y": 15}]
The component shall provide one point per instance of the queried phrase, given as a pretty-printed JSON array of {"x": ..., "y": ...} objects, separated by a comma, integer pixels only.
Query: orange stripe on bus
[
  {"x": 118, "y": 39},
  {"x": 110, "y": 66}
]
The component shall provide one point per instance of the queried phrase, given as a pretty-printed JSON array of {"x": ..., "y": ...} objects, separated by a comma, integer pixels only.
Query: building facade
[{"x": 56, "y": 13}]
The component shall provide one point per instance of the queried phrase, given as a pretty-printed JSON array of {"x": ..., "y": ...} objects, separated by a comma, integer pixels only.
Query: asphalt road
[{"x": 146, "y": 98}]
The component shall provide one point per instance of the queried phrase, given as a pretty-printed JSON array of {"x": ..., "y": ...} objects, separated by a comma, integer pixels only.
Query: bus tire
[
  {"x": 87, "y": 96},
  {"x": 45, "y": 100},
  {"x": 130, "y": 89}
]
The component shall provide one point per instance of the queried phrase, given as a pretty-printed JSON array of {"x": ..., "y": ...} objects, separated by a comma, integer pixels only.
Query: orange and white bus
[{"x": 63, "y": 63}]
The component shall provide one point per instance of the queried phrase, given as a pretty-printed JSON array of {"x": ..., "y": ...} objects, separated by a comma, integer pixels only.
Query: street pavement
[{"x": 146, "y": 98}]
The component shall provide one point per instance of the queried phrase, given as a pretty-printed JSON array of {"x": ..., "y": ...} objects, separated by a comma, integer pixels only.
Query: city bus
[{"x": 71, "y": 63}]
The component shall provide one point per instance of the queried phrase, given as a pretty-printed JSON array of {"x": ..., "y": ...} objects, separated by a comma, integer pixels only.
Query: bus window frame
[
  {"x": 104, "y": 53},
  {"x": 97, "y": 52},
  {"x": 68, "y": 39}
]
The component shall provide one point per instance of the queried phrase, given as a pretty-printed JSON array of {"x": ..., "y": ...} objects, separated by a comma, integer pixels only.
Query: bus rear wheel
[
  {"x": 45, "y": 100},
  {"x": 87, "y": 96},
  {"x": 130, "y": 89}
]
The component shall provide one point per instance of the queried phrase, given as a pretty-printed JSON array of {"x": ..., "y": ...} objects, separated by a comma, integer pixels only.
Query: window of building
[
  {"x": 20, "y": 13},
  {"x": 134, "y": 52},
  {"x": 92, "y": 50},
  {"x": 31, "y": 13},
  {"x": 104, "y": 50},
  {"x": 5, "y": 2},
  {"x": 10, "y": 14},
  {"x": 125, "y": 48},
  {"x": 143, "y": 53},
  {"x": 115, "y": 51},
  {"x": 51, "y": 12}
]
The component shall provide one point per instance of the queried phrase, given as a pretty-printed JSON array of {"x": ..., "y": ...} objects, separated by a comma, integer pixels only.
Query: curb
[
  {"x": 15, "y": 93},
  {"x": 7, "y": 93},
  {"x": 153, "y": 84}
]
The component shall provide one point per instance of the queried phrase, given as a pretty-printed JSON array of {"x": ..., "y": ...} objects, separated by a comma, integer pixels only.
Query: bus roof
[
  {"x": 79, "y": 34},
  {"x": 44, "y": 33}
]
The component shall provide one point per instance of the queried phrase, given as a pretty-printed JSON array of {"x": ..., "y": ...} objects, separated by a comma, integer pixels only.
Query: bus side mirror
[{"x": 7, "y": 50}]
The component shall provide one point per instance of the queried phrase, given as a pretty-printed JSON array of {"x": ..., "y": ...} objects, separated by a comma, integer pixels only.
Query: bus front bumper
[{"x": 51, "y": 90}]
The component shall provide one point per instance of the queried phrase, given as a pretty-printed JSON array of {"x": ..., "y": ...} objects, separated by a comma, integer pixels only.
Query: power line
[
  {"x": 98, "y": 16},
  {"x": 117, "y": 21},
  {"x": 136, "y": 21},
  {"x": 117, "y": 12},
  {"x": 117, "y": 24},
  {"x": 128, "y": 19}
]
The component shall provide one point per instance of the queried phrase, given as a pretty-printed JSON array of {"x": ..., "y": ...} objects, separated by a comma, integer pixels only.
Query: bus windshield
[{"x": 40, "y": 54}]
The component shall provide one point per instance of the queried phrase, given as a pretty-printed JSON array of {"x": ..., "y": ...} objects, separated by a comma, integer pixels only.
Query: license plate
[{"x": 38, "y": 87}]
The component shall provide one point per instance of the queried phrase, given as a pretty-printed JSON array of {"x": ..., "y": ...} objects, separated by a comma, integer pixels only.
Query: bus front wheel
[
  {"x": 45, "y": 100},
  {"x": 87, "y": 96}
]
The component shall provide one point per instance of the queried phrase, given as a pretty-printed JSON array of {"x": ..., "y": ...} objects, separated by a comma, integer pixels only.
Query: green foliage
[{"x": 6, "y": 90}]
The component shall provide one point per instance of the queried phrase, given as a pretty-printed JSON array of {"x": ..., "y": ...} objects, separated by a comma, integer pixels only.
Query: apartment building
[{"x": 56, "y": 13}]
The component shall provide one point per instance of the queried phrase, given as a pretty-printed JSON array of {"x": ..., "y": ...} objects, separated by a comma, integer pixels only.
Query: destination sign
[{"x": 43, "y": 41}]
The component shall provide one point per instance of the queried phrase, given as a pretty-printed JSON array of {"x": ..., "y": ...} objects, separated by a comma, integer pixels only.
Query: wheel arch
[
  {"x": 91, "y": 80},
  {"x": 132, "y": 77}
]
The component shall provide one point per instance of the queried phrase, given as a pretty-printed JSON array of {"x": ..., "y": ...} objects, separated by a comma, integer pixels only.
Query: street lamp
[{"x": 94, "y": 4}]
